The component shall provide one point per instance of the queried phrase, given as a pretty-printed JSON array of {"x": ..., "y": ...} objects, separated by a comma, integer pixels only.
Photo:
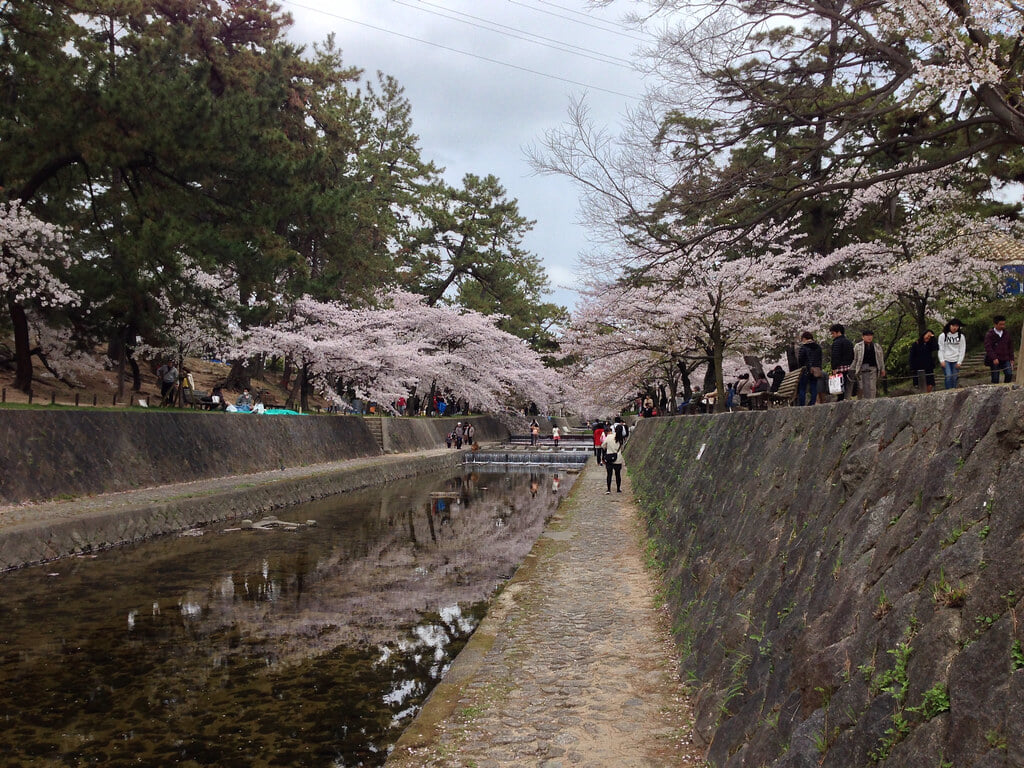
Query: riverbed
[{"x": 305, "y": 646}]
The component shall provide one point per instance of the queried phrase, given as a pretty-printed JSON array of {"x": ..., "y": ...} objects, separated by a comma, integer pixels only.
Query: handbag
[
  {"x": 611, "y": 458},
  {"x": 816, "y": 372},
  {"x": 835, "y": 384}
]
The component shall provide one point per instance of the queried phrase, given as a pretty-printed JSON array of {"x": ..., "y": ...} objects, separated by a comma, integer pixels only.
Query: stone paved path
[{"x": 573, "y": 665}]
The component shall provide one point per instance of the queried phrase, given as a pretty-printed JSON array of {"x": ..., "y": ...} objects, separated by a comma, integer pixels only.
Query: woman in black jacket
[
  {"x": 922, "y": 360},
  {"x": 809, "y": 358}
]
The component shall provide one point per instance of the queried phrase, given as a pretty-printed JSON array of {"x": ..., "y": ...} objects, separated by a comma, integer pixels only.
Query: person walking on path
[
  {"x": 613, "y": 458},
  {"x": 556, "y": 435},
  {"x": 572, "y": 666},
  {"x": 868, "y": 364},
  {"x": 952, "y": 350},
  {"x": 598, "y": 442},
  {"x": 999, "y": 350},
  {"x": 168, "y": 376}
]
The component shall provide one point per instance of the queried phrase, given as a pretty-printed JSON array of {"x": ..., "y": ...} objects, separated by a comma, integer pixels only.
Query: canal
[{"x": 312, "y": 646}]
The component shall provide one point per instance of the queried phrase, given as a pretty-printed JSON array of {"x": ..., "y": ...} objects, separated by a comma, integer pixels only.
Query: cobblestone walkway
[{"x": 573, "y": 665}]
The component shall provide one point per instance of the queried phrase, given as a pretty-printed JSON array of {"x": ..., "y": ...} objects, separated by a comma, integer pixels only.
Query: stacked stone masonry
[{"x": 847, "y": 580}]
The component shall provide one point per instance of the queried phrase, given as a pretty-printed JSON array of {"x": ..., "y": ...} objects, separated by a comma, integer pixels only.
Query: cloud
[{"x": 476, "y": 116}]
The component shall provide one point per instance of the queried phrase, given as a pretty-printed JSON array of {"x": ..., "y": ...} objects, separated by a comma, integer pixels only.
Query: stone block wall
[
  {"x": 80, "y": 529},
  {"x": 46, "y": 454},
  {"x": 401, "y": 435},
  {"x": 51, "y": 454},
  {"x": 846, "y": 580}
]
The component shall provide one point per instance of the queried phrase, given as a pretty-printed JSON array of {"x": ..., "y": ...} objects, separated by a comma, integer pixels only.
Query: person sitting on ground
[
  {"x": 215, "y": 400},
  {"x": 244, "y": 401}
]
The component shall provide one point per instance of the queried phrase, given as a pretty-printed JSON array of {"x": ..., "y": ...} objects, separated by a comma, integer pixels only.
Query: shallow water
[{"x": 227, "y": 647}]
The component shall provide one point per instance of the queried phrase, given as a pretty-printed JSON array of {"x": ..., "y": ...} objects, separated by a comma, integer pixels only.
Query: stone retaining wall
[
  {"x": 46, "y": 454},
  {"x": 51, "y": 454},
  {"x": 403, "y": 435},
  {"x": 847, "y": 579},
  {"x": 61, "y": 529}
]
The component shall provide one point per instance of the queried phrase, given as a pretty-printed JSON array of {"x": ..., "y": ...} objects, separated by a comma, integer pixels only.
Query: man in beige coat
[{"x": 868, "y": 364}]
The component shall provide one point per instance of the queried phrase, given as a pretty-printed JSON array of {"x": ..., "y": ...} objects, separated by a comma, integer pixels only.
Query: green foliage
[
  {"x": 166, "y": 135},
  {"x": 946, "y": 594},
  {"x": 934, "y": 702},
  {"x": 469, "y": 252},
  {"x": 1016, "y": 656}
]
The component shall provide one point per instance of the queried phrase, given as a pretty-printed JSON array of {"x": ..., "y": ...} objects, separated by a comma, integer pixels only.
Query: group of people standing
[
  {"x": 463, "y": 433},
  {"x": 863, "y": 364}
]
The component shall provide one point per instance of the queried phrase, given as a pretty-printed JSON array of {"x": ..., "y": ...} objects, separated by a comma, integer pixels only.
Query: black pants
[
  {"x": 617, "y": 469},
  {"x": 598, "y": 453}
]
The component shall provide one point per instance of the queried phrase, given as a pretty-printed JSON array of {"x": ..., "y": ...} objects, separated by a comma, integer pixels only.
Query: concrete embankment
[
  {"x": 79, "y": 481},
  {"x": 41, "y": 532},
  {"x": 46, "y": 454},
  {"x": 847, "y": 580}
]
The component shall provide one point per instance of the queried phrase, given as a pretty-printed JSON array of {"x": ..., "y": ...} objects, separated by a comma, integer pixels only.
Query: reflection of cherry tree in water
[{"x": 355, "y": 619}]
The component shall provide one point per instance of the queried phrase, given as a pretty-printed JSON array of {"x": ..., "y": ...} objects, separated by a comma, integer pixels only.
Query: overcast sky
[{"x": 483, "y": 86}]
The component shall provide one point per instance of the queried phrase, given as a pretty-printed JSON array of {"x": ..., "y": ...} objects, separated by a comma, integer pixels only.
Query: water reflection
[{"x": 259, "y": 648}]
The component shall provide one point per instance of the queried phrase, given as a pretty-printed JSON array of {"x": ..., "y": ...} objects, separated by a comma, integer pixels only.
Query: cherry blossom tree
[
  {"x": 934, "y": 254},
  {"x": 403, "y": 343},
  {"x": 198, "y": 312},
  {"x": 727, "y": 297},
  {"x": 32, "y": 254}
]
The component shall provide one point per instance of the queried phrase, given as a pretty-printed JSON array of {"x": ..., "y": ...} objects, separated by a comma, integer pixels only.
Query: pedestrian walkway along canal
[
  {"x": 228, "y": 647},
  {"x": 573, "y": 665}
]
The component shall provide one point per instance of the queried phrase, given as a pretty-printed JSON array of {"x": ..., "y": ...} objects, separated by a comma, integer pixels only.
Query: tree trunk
[
  {"x": 684, "y": 371},
  {"x": 286, "y": 375},
  {"x": 304, "y": 389},
  {"x": 719, "y": 377},
  {"x": 238, "y": 377},
  {"x": 1019, "y": 362},
  {"x": 22, "y": 352}
]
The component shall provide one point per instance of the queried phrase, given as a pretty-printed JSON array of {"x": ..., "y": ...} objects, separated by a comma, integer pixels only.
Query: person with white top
[
  {"x": 952, "y": 350},
  {"x": 613, "y": 439}
]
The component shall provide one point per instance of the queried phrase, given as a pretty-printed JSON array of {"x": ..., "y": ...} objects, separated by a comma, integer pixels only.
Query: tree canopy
[{"x": 171, "y": 140}]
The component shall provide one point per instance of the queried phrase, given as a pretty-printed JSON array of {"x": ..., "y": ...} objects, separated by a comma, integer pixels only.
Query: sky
[{"x": 486, "y": 79}]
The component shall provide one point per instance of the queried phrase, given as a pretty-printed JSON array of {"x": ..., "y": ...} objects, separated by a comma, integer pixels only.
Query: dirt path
[{"x": 573, "y": 666}]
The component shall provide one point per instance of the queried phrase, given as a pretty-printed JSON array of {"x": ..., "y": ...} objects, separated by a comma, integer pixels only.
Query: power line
[
  {"x": 576, "y": 21},
  {"x": 456, "y": 50},
  {"x": 518, "y": 34}
]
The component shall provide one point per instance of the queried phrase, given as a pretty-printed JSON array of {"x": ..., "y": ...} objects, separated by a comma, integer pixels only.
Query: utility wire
[
  {"x": 612, "y": 30},
  {"x": 518, "y": 34},
  {"x": 463, "y": 53}
]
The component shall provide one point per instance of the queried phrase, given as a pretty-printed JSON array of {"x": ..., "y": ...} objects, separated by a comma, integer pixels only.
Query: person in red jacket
[{"x": 598, "y": 441}]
